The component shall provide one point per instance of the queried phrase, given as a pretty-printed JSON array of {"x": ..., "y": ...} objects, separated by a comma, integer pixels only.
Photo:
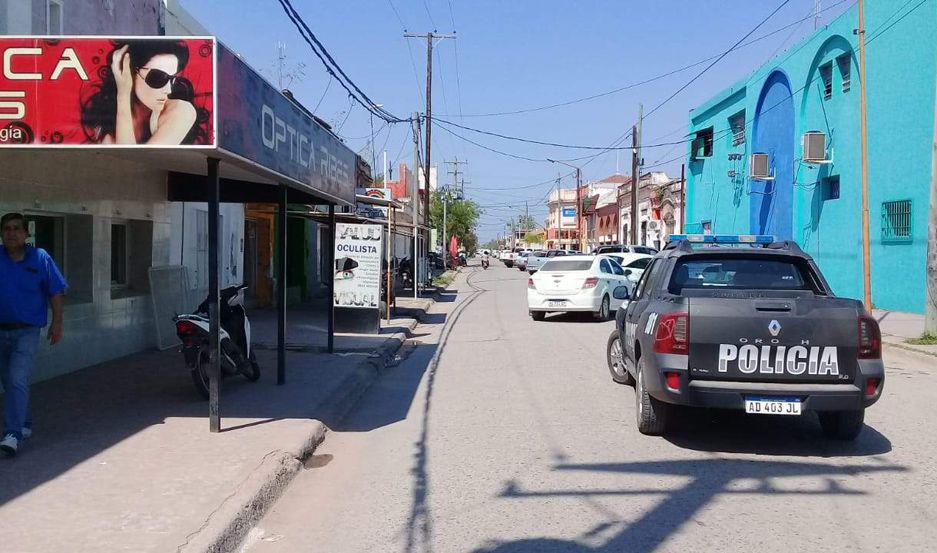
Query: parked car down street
[{"x": 580, "y": 283}]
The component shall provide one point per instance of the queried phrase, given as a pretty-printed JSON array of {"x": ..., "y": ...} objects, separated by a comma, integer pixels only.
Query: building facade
[{"x": 799, "y": 113}]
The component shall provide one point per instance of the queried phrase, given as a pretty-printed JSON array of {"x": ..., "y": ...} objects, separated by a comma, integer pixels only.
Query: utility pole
[
  {"x": 445, "y": 204},
  {"x": 864, "y": 138},
  {"x": 415, "y": 199},
  {"x": 429, "y": 106},
  {"x": 635, "y": 173},
  {"x": 559, "y": 214},
  {"x": 582, "y": 242}
]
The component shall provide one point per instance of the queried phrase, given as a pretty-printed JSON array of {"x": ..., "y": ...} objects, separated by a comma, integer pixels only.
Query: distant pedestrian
[{"x": 29, "y": 283}]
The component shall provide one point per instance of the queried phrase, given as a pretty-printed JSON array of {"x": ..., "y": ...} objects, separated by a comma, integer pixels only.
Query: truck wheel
[
  {"x": 616, "y": 360},
  {"x": 603, "y": 313},
  {"x": 538, "y": 315},
  {"x": 842, "y": 425},
  {"x": 651, "y": 413}
]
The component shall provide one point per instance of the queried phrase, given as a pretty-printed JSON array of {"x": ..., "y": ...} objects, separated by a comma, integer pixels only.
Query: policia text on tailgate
[{"x": 744, "y": 322}]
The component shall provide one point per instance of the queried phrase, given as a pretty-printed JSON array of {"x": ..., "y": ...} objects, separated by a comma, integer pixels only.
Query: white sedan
[
  {"x": 633, "y": 264},
  {"x": 576, "y": 283}
]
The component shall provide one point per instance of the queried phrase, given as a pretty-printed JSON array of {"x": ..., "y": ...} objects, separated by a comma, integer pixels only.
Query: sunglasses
[{"x": 156, "y": 78}]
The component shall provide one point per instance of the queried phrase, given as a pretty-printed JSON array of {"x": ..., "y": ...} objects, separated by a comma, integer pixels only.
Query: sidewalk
[
  {"x": 898, "y": 327},
  {"x": 122, "y": 459}
]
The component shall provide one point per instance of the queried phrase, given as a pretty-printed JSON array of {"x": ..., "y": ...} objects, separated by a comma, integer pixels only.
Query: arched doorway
[{"x": 771, "y": 206}]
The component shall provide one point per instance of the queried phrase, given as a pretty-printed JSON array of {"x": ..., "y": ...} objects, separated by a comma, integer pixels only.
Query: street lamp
[{"x": 582, "y": 247}]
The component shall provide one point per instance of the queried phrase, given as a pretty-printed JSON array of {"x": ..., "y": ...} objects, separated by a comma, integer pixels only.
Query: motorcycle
[
  {"x": 237, "y": 356},
  {"x": 485, "y": 263}
]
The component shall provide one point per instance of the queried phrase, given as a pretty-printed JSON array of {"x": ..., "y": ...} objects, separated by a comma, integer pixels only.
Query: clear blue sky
[{"x": 514, "y": 55}]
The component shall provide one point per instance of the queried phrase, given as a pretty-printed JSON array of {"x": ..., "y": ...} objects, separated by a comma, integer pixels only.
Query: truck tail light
[
  {"x": 871, "y": 386},
  {"x": 870, "y": 338},
  {"x": 673, "y": 334},
  {"x": 673, "y": 380},
  {"x": 590, "y": 282}
]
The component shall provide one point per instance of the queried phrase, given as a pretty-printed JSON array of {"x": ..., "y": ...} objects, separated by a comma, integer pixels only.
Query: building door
[{"x": 250, "y": 261}]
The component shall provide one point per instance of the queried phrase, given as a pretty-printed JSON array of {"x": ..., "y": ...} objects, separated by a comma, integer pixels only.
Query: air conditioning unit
[
  {"x": 654, "y": 225},
  {"x": 814, "y": 147},
  {"x": 759, "y": 168}
]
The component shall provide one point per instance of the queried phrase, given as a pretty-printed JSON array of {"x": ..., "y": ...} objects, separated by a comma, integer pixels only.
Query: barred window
[
  {"x": 826, "y": 74},
  {"x": 896, "y": 221},
  {"x": 737, "y": 125},
  {"x": 844, "y": 63}
]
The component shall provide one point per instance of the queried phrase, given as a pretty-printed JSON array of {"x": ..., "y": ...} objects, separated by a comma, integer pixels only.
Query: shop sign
[
  {"x": 260, "y": 124},
  {"x": 120, "y": 92},
  {"x": 358, "y": 265}
]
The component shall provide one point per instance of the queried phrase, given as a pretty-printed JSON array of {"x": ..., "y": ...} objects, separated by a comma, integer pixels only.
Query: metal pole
[
  {"x": 582, "y": 247},
  {"x": 634, "y": 185},
  {"x": 214, "y": 307},
  {"x": 415, "y": 198},
  {"x": 429, "y": 125},
  {"x": 331, "y": 254},
  {"x": 445, "y": 235},
  {"x": 682, "y": 198},
  {"x": 866, "y": 249},
  {"x": 281, "y": 285},
  {"x": 389, "y": 245}
]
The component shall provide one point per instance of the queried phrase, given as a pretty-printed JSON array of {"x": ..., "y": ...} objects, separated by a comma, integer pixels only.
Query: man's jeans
[{"x": 17, "y": 352}]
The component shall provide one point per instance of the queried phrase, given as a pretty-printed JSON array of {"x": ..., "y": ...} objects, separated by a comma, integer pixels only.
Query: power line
[
  {"x": 332, "y": 67},
  {"x": 650, "y": 79},
  {"x": 717, "y": 60}
]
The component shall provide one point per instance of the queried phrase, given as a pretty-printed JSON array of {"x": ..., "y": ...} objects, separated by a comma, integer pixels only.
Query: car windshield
[
  {"x": 568, "y": 265},
  {"x": 736, "y": 273}
]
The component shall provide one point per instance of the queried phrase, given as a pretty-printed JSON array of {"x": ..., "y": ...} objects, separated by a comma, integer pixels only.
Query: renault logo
[{"x": 774, "y": 327}]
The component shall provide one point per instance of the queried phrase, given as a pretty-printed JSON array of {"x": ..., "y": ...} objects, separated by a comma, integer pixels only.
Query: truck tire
[
  {"x": 842, "y": 425},
  {"x": 538, "y": 315},
  {"x": 651, "y": 414},
  {"x": 616, "y": 360}
]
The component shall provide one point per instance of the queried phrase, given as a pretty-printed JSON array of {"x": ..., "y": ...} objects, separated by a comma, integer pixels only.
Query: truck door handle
[{"x": 772, "y": 306}]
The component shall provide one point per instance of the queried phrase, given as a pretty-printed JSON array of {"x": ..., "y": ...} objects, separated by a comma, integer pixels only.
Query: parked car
[
  {"x": 575, "y": 283},
  {"x": 542, "y": 256},
  {"x": 624, "y": 248},
  {"x": 756, "y": 329},
  {"x": 633, "y": 264},
  {"x": 521, "y": 261}
]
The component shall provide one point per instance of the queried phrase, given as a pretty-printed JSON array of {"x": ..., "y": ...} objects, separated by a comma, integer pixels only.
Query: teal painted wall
[{"x": 901, "y": 59}]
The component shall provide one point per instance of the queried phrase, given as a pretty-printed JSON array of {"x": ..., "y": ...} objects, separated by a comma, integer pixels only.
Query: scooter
[
  {"x": 237, "y": 356},
  {"x": 485, "y": 263}
]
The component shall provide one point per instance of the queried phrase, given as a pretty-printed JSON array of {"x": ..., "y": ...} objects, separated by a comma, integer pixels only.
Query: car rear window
[
  {"x": 567, "y": 265},
  {"x": 738, "y": 274}
]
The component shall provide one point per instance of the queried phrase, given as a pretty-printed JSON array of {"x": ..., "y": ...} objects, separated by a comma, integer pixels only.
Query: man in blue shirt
[{"x": 29, "y": 283}]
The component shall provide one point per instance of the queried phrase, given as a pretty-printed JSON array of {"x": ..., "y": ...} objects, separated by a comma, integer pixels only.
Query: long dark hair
[{"x": 99, "y": 107}]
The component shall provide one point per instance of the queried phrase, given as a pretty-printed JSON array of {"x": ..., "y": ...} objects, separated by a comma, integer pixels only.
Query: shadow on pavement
[
  {"x": 736, "y": 432},
  {"x": 709, "y": 479}
]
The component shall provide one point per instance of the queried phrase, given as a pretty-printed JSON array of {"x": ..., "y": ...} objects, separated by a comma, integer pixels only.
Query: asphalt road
[{"x": 498, "y": 433}]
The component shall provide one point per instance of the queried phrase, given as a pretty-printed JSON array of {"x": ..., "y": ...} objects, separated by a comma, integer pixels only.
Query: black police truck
[{"x": 745, "y": 322}]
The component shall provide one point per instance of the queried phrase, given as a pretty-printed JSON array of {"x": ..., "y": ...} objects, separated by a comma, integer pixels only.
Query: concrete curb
[
  {"x": 228, "y": 526},
  {"x": 911, "y": 348}
]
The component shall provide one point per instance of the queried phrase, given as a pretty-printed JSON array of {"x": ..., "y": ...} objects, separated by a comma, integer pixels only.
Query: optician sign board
[{"x": 357, "y": 272}]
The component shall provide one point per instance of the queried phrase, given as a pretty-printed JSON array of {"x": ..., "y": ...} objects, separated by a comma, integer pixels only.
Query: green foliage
[
  {"x": 534, "y": 237},
  {"x": 926, "y": 339},
  {"x": 460, "y": 220}
]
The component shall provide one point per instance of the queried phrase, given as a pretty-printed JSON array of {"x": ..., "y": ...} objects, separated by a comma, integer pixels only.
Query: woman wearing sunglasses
[{"x": 142, "y": 98}]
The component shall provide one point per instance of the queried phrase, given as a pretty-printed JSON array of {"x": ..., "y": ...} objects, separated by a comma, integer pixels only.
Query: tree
[
  {"x": 534, "y": 237},
  {"x": 461, "y": 217},
  {"x": 525, "y": 222}
]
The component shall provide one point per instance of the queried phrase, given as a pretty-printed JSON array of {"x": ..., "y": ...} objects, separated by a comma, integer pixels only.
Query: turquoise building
[{"x": 814, "y": 196}]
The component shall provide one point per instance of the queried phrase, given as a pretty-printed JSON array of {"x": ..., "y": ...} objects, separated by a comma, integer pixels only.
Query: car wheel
[
  {"x": 616, "y": 360},
  {"x": 538, "y": 315},
  {"x": 651, "y": 413},
  {"x": 604, "y": 309},
  {"x": 842, "y": 425}
]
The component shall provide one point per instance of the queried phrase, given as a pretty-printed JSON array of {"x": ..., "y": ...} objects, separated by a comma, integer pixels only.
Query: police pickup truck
[{"x": 744, "y": 322}]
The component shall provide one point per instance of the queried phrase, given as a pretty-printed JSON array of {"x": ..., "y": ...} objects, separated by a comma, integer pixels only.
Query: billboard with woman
[{"x": 120, "y": 92}]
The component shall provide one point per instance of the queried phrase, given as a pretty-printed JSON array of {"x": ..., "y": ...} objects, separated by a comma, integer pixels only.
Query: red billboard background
[{"x": 65, "y": 92}]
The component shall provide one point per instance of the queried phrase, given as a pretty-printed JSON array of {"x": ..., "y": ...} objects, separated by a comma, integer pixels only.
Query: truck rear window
[{"x": 739, "y": 274}]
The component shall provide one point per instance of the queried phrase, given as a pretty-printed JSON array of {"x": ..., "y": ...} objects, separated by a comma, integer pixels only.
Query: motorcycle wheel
[
  {"x": 253, "y": 373},
  {"x": 200, "y": 374}
]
